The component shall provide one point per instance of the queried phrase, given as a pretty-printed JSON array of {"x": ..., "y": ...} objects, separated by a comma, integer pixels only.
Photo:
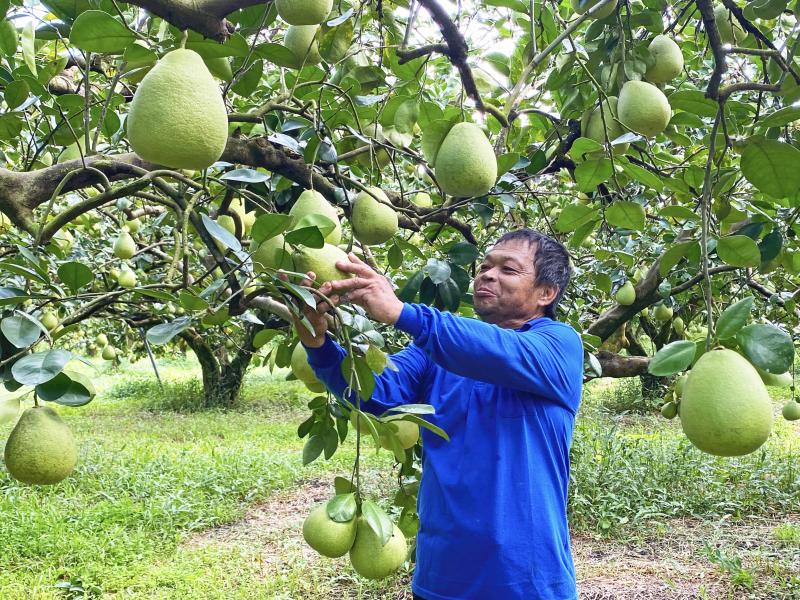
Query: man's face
[{"x": 503, "y": 290}]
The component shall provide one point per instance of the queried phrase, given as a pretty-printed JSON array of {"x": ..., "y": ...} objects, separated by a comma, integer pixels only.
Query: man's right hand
[{"x": 317, "y": 318}]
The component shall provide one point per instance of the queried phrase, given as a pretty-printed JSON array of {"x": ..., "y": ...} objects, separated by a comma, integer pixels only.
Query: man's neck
[{"x": 517, "y": 323}]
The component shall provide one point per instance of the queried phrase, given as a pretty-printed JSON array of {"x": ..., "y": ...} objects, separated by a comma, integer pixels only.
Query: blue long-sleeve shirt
[{"x": 492, "y": 501}]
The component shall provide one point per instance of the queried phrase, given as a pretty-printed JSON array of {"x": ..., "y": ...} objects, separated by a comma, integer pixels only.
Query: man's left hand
[{"x": 368, "y": 289}]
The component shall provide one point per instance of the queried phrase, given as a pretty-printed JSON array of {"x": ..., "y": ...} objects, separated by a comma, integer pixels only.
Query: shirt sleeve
[
  {"x": 392, "y": 387},
  {"x": 546, "y": 361}
]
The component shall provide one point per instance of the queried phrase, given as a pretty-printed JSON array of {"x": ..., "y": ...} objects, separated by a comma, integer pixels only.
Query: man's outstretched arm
[{"x": 545, "y": 363}]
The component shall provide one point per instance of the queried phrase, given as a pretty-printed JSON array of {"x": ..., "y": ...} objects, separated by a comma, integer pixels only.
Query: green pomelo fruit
[
  {"x": 219, "y": 67},
  {"x": 725, "y": 409},
  {"x": 668, "y": 60},
  {"x": 124, "y": 247},
  {"x": 678, "y": 325},
  {"x": 422, "y": 199},
  {"x": 312, "y": 202},
  {"x": 407, "y": 432},
  {"x": 663, "y": 312},
  {"x": 730, "y": 31},
  {"x": 127, "y": 278},
  {"x": 177, "y": 117},
  {"x": 40, "y": 449},
  {"x": 301, "y": 41},
  {"x": 592, "y": 125},
  {"x": 322, "y": 261},
  {"x": 669, "y": 410},
  {"x": 373, "y": 222},
  {"x": 780, "y": 380},
  {"x": 133, "y": 226},
  {"x": 108, "y": 352},
  {"x": 49, "y": 320},
  {"x": 638, "y": 275},
  {"x": 791, "y": 410},
  {"x": 626, "y": 295},
  {"x": 643, "y": 108},
  {"x": 272, "y": 254},
  {"x": 328, "y": 537},
  {"x": 304, "y": 12},
  {"x": 373, "y": 560},
  {"x": 465, "y": 164},
  {"x": 101, "y": 339},
  {"x": 378, "y": 155},
  {"x": 303, "y": 371},
  {"x": 680, "y": 383},
  {"x": 604, "y": 12}
]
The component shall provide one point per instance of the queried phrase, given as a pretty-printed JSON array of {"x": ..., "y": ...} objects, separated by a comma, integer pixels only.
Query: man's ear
[{"x": 547, "y": 294}]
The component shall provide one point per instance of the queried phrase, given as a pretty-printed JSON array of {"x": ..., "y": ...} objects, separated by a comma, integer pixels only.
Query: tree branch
[
  {"x": 206, "y": 18},
  {"x": 616, "y": 365},
  {"x": 720, "y": 64}
]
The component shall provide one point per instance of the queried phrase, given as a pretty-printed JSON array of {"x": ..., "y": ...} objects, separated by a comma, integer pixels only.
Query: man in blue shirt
[{"x": 492, "y": 501}]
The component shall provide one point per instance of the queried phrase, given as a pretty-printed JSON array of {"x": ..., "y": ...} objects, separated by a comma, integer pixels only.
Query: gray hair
[{"x": 550, "y": 262}]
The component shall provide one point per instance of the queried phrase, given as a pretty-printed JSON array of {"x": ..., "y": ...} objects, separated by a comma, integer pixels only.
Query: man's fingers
[
  {"x": 345, "y": 285},
  {"x": 357, "y": 268}
]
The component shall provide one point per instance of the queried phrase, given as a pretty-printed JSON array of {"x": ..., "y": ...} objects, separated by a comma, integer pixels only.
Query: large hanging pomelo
[
  {"x": 465, "y": 164},
  {"x": 40, "y": 449},
  {"x": 311, "y": 202},
  {"x": 373, "y": 222},
  {"x": 373, "y": 560},
  {"x": 725, "y": 409},
  {"x": 643, "y": 108},
  {"x": 668, "y": 60},
  {"x": 304, "y": 12},
  {"x": 322, "y": 261},
  {"x": 303, "y": 371},
  {"x": 596, "y": 125},
  {"x": 177, "y": 116},
  {"x": 328, "y": 537}
]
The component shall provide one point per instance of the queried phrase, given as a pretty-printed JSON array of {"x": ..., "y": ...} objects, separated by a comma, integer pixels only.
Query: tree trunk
[{"x": 222, "y": 380}]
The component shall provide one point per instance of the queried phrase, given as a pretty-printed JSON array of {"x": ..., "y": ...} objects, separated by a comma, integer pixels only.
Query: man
[{"x": 492, "y": 501}]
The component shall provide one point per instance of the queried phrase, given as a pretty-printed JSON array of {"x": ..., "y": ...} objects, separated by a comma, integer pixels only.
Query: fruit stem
[{"x": 184, "y": 37}]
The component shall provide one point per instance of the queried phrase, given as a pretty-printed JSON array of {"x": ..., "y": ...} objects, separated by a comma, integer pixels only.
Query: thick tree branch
[
  {"x": 616, "y": 365},
  {"x": 206, "y": 18},
  {"x": 720, "y": 64}
]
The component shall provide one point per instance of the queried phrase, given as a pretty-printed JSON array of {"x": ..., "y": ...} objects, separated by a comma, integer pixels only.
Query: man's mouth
[{"x": 483, "y": 293}]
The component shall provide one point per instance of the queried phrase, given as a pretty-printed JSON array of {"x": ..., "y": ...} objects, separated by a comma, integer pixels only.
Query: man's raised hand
[
  {"x": 317, "y": 318},
  {"x": 367, "y": 288}
]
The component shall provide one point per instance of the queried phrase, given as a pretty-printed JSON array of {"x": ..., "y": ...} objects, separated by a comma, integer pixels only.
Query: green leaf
[
  {"x": 312, "y": 449},
  {"x": 411, "y": 288},
  {"x": 781, "y": 117},
  {"x": 27, "y": 42},
  {"x": 463, "y": 253},
  {"x": 247, "y": 82},
  {"x": 343, "y": 486},
  {"x": 342, "y": 507},
  {"x": 733, "y": 318},
  {"x": 378, "y": 520},
  {"x": 236, "y": 45},
  {"x": 583, "y": 146},
  {"x": 9, "y": 37},
  {"x": 16, "y": 93},
  {"x": 336, "y": 42},
  {"x": 672, "y": 358},
  {"x": 693, "y": 101},
  {"x": 628, "y": 215},
  {"x": 432, "y": 138},
  {"x": 767, "y": 347},
  {"x": 98, "y": 31},
  {"x": 11, "y": 125},
  {"x": 364, "y": 380},
  {"x": 265, "y": 336},
  {"x": 591, "y": 173},
  {"x": 40, "y": 367},
  {"x": 21, "y": 331},
  {"x": 771, "y": 166},
  {"x": 65, "y": 390},
  {"x": 739, "y": 251},
  {"x": 681, "y": 213},
  {"x": 161, "y": 334},
  {"x": 222, "y": 235},
  {"x": 642, "y": 175},
  {"x": 268, "y": 226},
  {"x": 309, "y": 236},
  {"x": 574, "y": 216},
  {"x": 673, "y": 255},
  {"x": 75, "y": 275},
  {"x": 9, "y": 404},
  {"x": 437, "y": 270}
]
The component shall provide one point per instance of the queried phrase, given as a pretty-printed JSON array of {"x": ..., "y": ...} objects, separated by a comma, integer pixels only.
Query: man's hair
[{"x": 550, "y": 262}]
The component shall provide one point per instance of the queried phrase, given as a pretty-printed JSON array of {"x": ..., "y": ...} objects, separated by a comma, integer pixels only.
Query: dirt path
[{"x": 680, "y": 559}]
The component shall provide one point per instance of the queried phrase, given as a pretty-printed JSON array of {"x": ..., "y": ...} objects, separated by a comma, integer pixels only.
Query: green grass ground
[{"x": 174, "y": 504}]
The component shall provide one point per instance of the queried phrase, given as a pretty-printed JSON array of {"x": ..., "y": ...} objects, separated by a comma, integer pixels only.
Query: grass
[{"x": 154, "y": 473}]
